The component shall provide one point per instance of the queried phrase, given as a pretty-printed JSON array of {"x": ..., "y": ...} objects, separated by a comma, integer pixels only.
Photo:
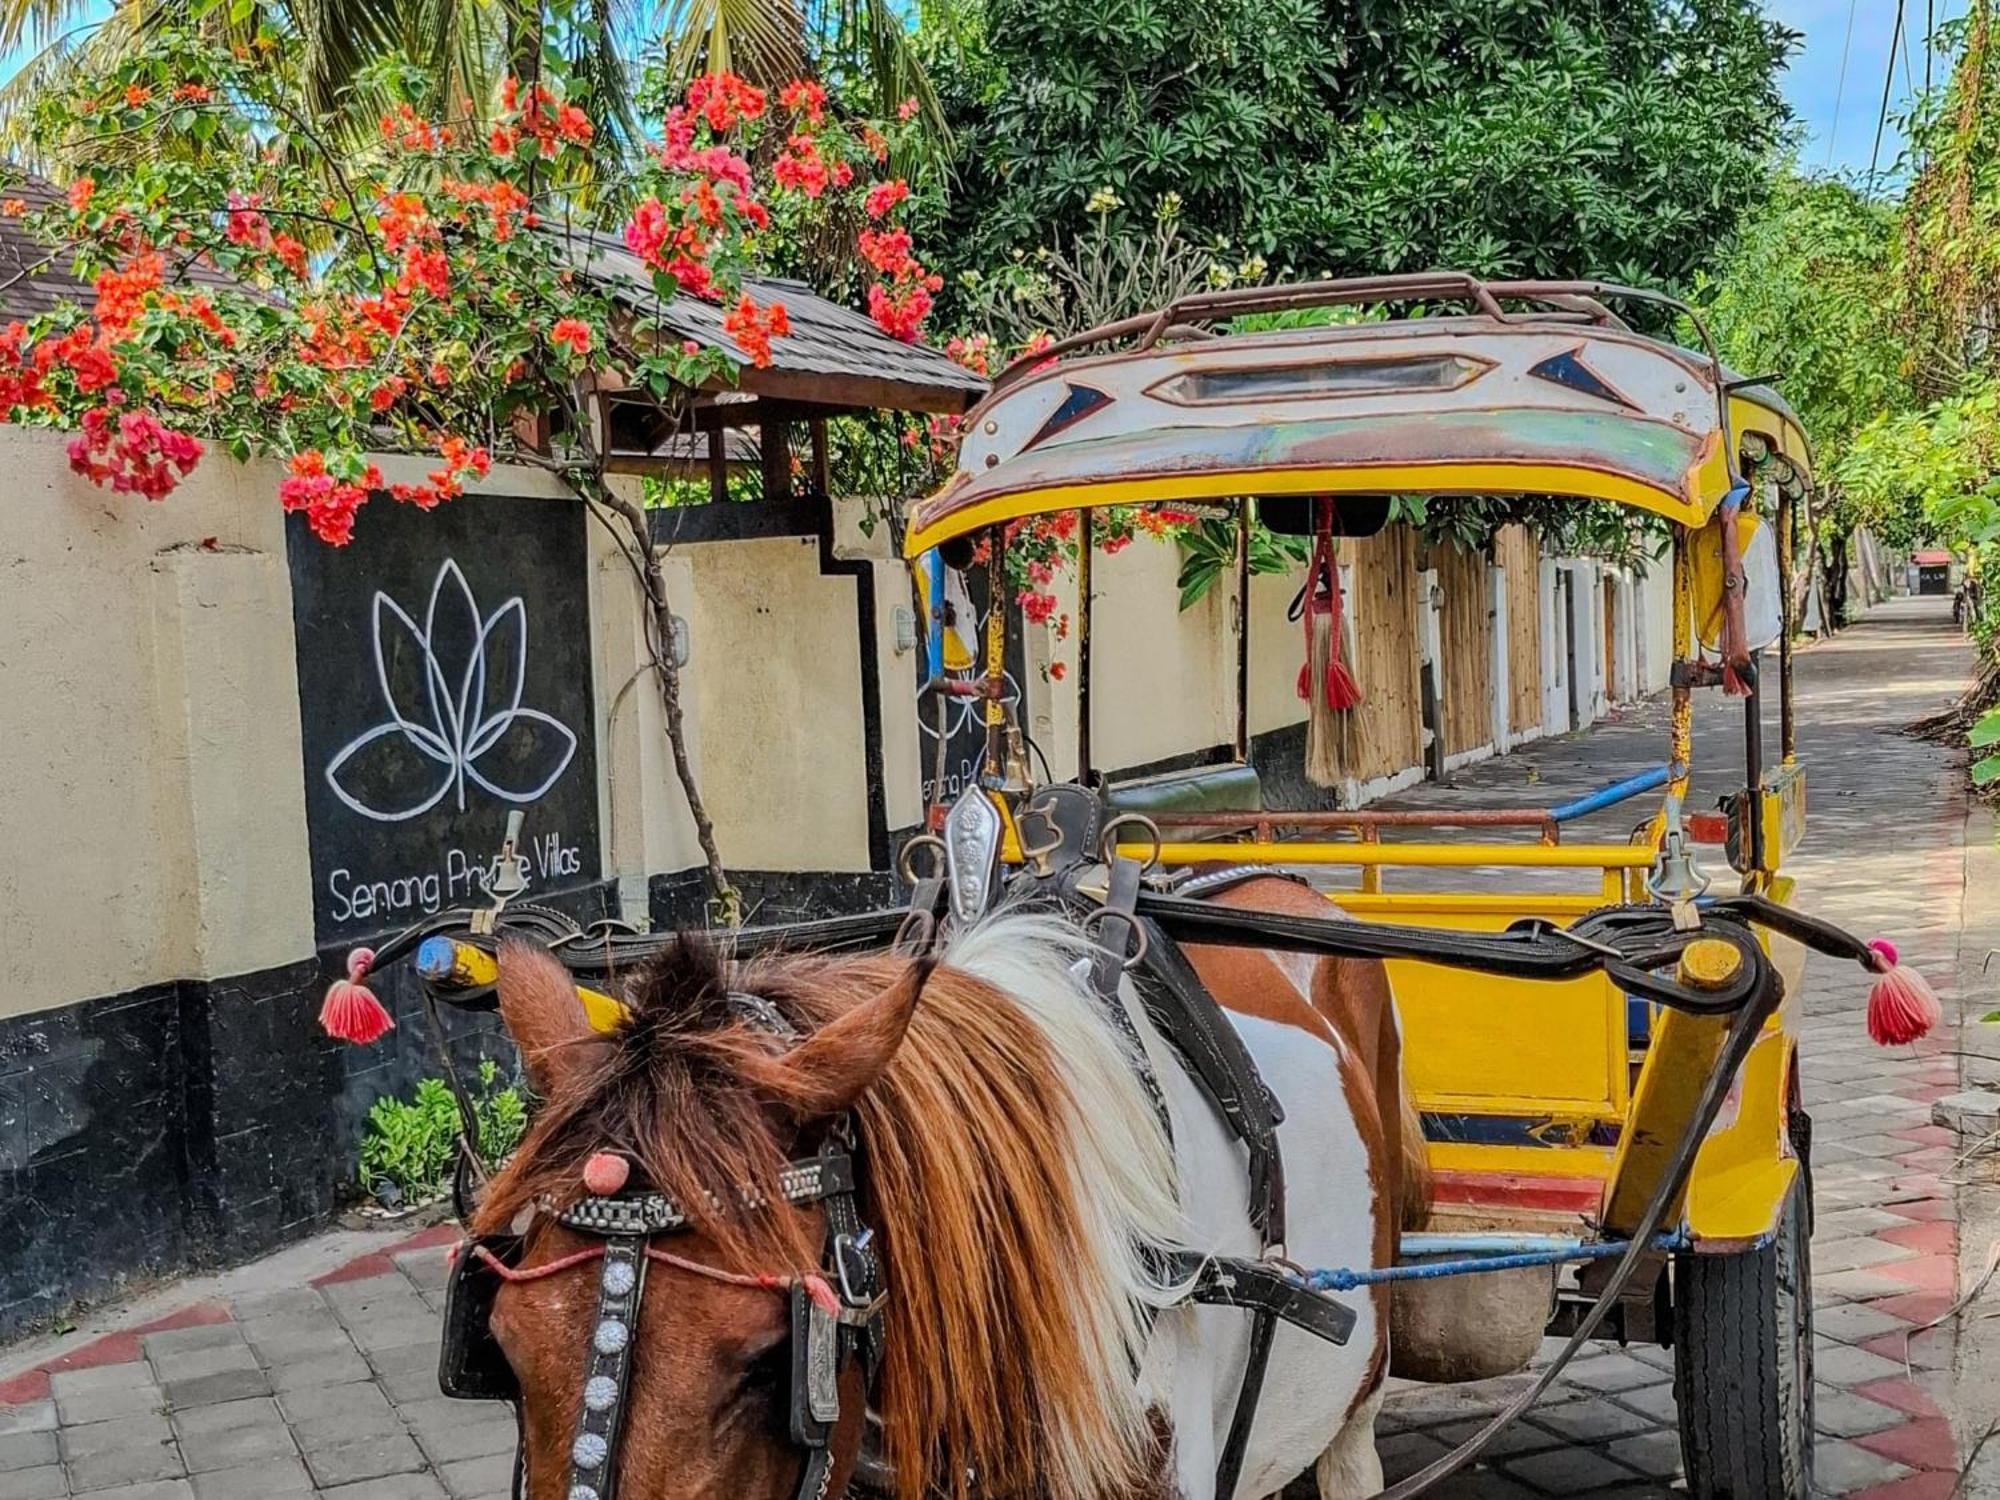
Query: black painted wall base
[{"x": 185, "y": 1124}]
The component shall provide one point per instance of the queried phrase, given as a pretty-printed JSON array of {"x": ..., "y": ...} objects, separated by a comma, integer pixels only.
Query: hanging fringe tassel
[
  {"x": 1901, "y": 1005},
  {"x": 351, "y": 1012},
  {"x": 1325, "y": 683}
]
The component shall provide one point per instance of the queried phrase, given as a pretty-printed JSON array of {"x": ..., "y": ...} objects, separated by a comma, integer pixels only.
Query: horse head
[{"x": 663, "y": 1363}]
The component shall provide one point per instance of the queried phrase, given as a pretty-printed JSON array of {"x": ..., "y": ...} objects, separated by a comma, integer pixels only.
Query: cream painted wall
[
  {"x": 151, "y": 796},
  {"x": 775, "y": 696}
]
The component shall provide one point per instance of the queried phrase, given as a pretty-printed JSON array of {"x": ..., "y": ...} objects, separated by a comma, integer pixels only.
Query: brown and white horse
[{"x": 1013, "y": 1165}]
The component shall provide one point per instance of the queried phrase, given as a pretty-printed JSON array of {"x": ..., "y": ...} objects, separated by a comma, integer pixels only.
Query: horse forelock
[{"x": 1010, "y": 1160}]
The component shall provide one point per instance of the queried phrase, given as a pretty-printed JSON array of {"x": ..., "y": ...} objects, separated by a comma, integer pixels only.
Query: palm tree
[{"x": 447, "y": 56}]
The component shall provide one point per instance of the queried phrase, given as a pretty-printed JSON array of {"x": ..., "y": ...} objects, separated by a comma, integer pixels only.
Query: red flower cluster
[
  {"x": 574, "y": 333},
  {"x": 753, "y": 329},
  {"x": 462, "y": 461},
  {"x": 899, "y": 304},
  {"x": 132, "y": 452},
  {"x": 723, "y": 100},
  {"x": 507, "y": 204},
  {"x": 329, "y": 504},
  {"x": 803, "y": 96},
  {"x": 404, "y": 127},
  {"x": 122, "y": 291},
  {"x": 801, "y": 168},
  {"x": 539, "y": 117},
  {"x": 884, "y": 196}
]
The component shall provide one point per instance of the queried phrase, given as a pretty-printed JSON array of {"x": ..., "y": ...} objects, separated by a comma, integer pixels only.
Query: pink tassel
[
  {"x": 821, "y": 1291},
  {"x": 351, "y": 1012},
  {"x": 1901, "y": 1006}
]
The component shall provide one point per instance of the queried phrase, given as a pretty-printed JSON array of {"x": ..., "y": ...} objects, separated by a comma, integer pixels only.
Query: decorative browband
[{"x": 806, "y": 1181}]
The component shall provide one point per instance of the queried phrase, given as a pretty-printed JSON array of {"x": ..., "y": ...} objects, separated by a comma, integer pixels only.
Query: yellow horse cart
[{"x": 1552, "y": 1108}]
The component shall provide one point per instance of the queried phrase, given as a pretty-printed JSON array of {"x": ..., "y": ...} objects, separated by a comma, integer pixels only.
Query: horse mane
[{"x": 1010, "y": 1160}]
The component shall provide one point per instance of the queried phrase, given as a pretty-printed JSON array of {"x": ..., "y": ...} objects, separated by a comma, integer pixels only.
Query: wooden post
[
  {"x": 822, "y": 461},
  {"x": 1085, "y": 545},
  {"x": 775, "y": 457},
  {"x": 718, "y": 465}
]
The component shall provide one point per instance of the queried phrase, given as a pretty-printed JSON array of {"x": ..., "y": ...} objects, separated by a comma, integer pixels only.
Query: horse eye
[{"x": 764, "y": 1369}]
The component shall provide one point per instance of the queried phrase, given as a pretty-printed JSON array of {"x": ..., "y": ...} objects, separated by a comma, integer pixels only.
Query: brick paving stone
[
  {"x": 113, "y": 1467},
  {"x": 372, "y": 1457},
  {"x": 328, "y": 1369},
  {"x": 46, "y": 1483},
  {"x": 1851, "y": 1221},
  {"x": 480, "y": 1478},
  {"x": 1856, "y": 1322},
  {"x": 1655, "y": 1454},
  {"x": 118, "y": 1432},
  {"x": 1567, "y": 1471},
  {"x": 26, "y": 1450},
  {"x": 1915, "y": 1487},
  {"x": 271, "y": 1476},
  {"x": 1844, "y": 1414},
  {"x": 1655, "y": 1401},
  {"x": 236, "y": 1446},
  {"x": 224, "y": 1385},
  {"x": 1613, "y": 1371},
  {"x": 293, "y": 1339},
  {"x": 1590, "y": 1421},
  {"x": 1402, "y": 1454},
  {"x": 1855, "y": 1254},
  {"x": 276, "y": 1302},
  {"x": 1926, "y": 1444},
  {"x": 1856, "y": 1286},
  {"x": 1939, "y": 1237},
  {"x": 178, "y": 1342},
  {"x": 104, "y": 1393},
  {"x": 29, "y": 1416},
  {"x": 391, "y": 1487},
  {"x": 169, "y": 1489},
  {"x": 1840, "y": 1468},
  {"x": 1515, "y": 1437}
]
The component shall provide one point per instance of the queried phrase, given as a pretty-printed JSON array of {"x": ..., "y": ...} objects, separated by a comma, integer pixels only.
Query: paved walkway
[
  {"x": 314, "y": 1372},
  {"x": 1886, "y": 852}
]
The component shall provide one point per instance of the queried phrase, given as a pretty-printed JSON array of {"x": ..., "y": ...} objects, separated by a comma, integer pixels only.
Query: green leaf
[
  {"x": 1986, "y": 770},
  {"x": 1991, "y": 1018},
  {"x": 1986, "y": 731}
]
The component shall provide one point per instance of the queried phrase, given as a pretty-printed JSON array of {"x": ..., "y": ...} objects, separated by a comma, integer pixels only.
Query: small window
[{"x": 1329, "y": 378}]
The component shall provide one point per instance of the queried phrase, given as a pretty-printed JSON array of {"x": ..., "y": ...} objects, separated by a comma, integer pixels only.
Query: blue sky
[
  {"x": 1839, "y": 117},
  {"x": 1837, "y": 114}
]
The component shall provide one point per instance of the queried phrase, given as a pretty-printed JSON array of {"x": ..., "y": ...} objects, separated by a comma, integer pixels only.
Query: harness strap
[
  {"x": 1184, "y": 1012},
  {"x": 593, "y": 1471}
]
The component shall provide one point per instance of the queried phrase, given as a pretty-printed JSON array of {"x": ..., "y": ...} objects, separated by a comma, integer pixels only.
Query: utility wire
[
  {"x": 1840, "y": 88},
  {"x": 1888, "y": 83}
]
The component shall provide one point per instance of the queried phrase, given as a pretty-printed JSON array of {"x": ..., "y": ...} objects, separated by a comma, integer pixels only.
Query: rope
[{"x": 814, "y": 1285}]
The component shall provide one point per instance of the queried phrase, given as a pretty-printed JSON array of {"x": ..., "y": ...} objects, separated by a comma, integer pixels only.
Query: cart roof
[{"x": 1560, "y": 399}]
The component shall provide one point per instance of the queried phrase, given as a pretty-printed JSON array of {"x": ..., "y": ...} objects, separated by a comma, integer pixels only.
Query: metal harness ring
[
  {"x": 928, "y": 841},
  {"x": 1093, "y": 918},
  {"x": 1107, "y": 842}
]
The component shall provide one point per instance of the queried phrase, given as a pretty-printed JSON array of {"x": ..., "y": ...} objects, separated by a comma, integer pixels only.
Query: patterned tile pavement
[
  {"x": 1884, "y": 853},
  {"x": 280, "y": 1382}
]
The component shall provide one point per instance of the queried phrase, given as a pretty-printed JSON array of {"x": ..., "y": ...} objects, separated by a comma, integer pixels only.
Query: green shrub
[{"x": 408, "y": 1152}]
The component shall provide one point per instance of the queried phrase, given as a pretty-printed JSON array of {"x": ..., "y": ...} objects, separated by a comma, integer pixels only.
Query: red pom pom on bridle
[
  {"x": 605, "y": 1173},
  {"x": 351, "y": 1012},
  {"x": 1901, "y": 1005}
]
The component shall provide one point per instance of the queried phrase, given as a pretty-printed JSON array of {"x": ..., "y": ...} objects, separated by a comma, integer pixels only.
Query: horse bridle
[{"x": 836, "y": 1314}]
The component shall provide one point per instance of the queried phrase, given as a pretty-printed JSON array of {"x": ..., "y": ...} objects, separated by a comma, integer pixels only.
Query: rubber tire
[{"x": 1743, "y": 1364}]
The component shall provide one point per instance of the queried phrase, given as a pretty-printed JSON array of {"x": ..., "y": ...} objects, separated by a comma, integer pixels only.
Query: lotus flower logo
[{"x": 452, "y": 688}]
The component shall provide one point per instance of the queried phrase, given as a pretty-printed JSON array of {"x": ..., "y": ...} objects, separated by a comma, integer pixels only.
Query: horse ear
[
  {"x": 539, "y": 1004},
  {"x": 837, "y": 1064}
]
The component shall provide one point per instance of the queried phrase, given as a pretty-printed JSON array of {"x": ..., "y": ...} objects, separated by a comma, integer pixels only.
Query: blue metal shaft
[
  {"x": 1346, "y": 1280},
  {"x": 934, "y": 637},
  {"x": 1612, "y": 795}
]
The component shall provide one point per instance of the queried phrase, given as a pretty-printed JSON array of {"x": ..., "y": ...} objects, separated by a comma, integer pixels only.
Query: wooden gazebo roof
[{"x": 833, "y": 362}]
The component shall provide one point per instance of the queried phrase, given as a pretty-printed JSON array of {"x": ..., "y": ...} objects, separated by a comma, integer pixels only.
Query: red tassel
[
  {"x": 351, "y": 1012},
  {"x": 1323, "y": 602},
  {"x": 1732, "y": 685},
  {"x": 1901, "y": 1005}
]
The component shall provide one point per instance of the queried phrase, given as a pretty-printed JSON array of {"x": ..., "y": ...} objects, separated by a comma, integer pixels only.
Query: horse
[{"x": 1019, "y": 1174}]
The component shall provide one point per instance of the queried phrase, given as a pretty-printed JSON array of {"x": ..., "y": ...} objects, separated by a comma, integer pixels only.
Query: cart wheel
[{"x": 1743, "y": 1363}]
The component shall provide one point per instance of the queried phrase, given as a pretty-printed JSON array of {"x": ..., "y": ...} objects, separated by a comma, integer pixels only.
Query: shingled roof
[
  {"x": 833, "y": 356},
  {"x": 35, "y": 280}
]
